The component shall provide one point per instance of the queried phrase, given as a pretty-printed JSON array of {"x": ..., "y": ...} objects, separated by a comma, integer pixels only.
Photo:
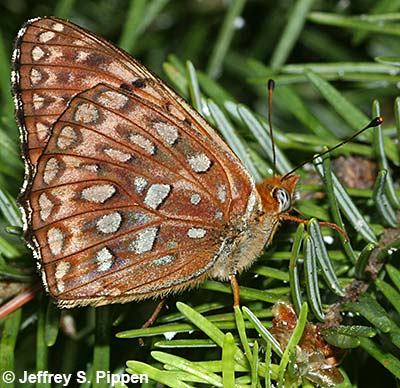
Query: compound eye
[{"x": 283, "y": 197}]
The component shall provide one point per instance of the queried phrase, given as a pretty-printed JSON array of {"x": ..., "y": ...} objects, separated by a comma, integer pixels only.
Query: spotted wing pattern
[{"x": 128, "y": 192}]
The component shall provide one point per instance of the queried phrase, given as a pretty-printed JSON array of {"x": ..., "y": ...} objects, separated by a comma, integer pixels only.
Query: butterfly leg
[
  {"x": 155, "y": 313},
  {"x": 285, "y": 216},
  {"x": 153, "y": 317},
  {"x": 236, "y": 291}
]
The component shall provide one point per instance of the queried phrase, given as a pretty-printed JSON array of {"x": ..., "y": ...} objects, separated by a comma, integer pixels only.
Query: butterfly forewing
[
  {"x": 54, "y": 60},
  {"x": 129, "y": 193}
]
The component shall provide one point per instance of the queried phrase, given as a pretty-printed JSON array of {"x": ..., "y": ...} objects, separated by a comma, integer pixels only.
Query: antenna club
[
  {"x": 271, "y": 85},
  {"x": 376, "y": 121},
  {"x": 373, "y": 123}
]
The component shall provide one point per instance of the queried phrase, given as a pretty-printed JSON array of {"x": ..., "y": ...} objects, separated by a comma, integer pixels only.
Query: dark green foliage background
[{"x": 189, "y": 31}]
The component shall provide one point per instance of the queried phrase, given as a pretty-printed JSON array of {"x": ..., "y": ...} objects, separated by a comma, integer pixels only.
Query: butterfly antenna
[
  {"x": 373, "y": 123},
  {"x": 271, "y": 86}
]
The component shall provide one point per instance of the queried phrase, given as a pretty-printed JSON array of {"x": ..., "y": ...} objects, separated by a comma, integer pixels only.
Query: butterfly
[{"x": 128, "y": 192}]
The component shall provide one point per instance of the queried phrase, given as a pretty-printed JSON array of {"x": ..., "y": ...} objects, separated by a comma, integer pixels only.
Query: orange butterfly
[{"x": 128, "y": 193}]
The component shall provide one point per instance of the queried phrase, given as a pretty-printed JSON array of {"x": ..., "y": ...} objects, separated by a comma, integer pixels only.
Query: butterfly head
[{"x": 277, "y": 193}]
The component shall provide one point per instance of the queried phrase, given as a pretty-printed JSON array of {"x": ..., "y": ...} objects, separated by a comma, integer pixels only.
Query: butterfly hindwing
[{"x": 124, "y": 190}]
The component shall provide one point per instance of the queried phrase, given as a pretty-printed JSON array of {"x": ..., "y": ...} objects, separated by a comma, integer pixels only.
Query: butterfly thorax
[{"x": 275, "y": 196}]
